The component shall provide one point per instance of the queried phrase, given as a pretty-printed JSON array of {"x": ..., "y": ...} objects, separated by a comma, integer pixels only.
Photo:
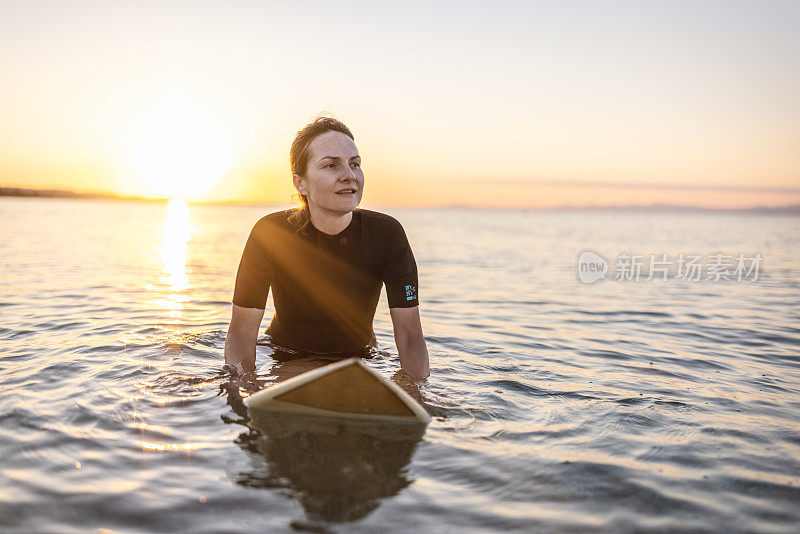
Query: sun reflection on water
[
  {"x": 169, "y": 296},
  {"x": 177, "y": 230},
  {"x": 163, "y": 447}
]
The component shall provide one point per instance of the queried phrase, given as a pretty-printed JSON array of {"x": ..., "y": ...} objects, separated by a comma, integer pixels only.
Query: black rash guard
[{"x": 326, "y": 287}]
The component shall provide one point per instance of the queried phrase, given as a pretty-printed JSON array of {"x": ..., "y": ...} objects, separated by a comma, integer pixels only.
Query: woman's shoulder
[
  {"x": 275, "y": 219},
  {"x": 276, "y": 225},
  {"x": 380, "y": 220}
]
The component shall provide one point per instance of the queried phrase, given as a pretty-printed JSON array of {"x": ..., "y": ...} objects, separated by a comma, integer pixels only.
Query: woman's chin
[
  {"x": 349, "y": 203},
  {"x": 341, "y": 206}
]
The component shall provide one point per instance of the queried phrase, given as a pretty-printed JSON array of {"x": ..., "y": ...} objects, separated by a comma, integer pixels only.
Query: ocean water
[{"x": 557, "y": 406}]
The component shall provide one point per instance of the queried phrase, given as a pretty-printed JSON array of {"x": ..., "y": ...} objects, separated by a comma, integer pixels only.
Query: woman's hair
[{"x": 299, "y": 154}]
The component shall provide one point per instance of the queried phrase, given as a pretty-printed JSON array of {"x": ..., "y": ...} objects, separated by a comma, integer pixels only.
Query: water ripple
[{"x": 557, "y": 406}]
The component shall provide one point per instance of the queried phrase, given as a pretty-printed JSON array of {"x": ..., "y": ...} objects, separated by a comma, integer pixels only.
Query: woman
[{"x": 326, "y": 263}]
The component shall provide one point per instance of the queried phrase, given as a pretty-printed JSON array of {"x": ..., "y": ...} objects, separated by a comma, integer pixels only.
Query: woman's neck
[{"x": 330, "y": 223}]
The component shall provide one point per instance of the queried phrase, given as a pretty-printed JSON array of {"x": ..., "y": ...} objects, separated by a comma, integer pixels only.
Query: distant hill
[
  {"x": 650, "y": 208},
  {"x": 61, "y": 193}
]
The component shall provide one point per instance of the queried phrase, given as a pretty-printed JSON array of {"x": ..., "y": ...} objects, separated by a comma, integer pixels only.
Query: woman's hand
[
  {"x": 410, "y": 343},
  {"x": 240, "y": 343}
]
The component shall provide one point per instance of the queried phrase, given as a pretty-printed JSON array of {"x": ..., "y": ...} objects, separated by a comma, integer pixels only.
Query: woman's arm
[
  {"x": 240, "y": 343},
  {"x": 410, "y": 343}
]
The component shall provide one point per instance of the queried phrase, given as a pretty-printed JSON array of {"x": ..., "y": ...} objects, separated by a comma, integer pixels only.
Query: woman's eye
[
  {"x": 329, "y": 165},
  {"x": 355, "y": 164}
]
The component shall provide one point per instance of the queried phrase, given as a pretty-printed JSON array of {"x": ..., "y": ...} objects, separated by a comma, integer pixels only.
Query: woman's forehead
[{"x": 335, "y": 144}]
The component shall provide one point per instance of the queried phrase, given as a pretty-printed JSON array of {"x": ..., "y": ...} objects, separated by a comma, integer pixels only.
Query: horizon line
[
  {"x": 632, "y": 185},
  {"x": 17, "y": 192}
]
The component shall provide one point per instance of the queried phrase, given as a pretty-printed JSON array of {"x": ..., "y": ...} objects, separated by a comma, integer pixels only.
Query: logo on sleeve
[{"x": 411, "y": 292}]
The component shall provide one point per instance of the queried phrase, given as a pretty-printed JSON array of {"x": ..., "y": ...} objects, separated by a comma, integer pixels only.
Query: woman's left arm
[{"x": 410, "y": 343}]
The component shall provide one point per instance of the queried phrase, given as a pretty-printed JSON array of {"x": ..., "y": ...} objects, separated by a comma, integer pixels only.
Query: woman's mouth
[{"x": 349, "y": 191}]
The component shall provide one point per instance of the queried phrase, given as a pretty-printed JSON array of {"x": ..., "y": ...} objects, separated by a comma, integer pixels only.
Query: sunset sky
[{"x": 517, "y": 104}]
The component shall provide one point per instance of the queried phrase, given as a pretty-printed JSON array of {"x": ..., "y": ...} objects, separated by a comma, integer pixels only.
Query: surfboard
[{"x": 349, "y": 388}]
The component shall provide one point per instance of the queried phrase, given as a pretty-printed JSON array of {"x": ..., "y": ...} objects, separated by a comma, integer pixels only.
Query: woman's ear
[{"x": 299, "y": 184}]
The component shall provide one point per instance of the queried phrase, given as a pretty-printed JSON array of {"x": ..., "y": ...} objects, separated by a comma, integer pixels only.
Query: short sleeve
[
  {"x": 255, "y": 272},
  {"x": 400, "y": 272}
]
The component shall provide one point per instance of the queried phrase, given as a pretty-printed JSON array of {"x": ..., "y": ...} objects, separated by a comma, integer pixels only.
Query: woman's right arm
[
  {"x": 250, "y": 292},
  {"x": 240, "y": 343}
]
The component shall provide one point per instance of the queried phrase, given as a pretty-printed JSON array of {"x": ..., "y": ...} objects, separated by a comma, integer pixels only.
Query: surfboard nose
[{"x": 348, "y": 388}]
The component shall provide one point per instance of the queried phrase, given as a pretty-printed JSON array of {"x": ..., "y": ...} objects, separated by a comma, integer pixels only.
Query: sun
[{"x": 177, "y": 151}]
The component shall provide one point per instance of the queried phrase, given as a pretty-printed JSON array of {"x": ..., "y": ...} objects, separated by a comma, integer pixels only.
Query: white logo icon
[{"x": 591, "y": 267}]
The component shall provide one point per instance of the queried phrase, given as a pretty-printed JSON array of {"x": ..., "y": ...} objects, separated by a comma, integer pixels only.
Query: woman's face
[{"x": 334, "y": 181}]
